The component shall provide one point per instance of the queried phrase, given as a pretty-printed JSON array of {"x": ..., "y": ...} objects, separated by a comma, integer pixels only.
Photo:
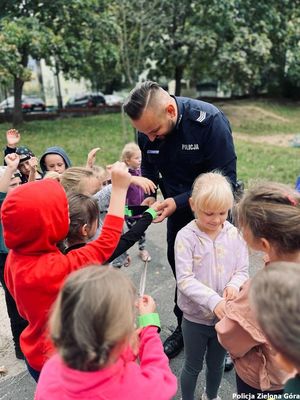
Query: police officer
[{"x": 180, "y": 138}]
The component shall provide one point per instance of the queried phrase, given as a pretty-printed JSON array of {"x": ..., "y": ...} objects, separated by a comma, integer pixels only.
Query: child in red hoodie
[
  {"x": 35, "y": 218},
  {"x": 96, "y": 358}
]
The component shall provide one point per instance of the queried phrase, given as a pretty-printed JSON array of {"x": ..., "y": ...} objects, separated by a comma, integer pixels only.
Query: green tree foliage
[
  {"x": 19, "y": 39},
  {"x": 246, "y": 45},
  {"x": 256, "y": 45},
  {"x": 74, "y": 36},
  {"x": 180, "y": 37},
  {"x": 139, "y": 22}
]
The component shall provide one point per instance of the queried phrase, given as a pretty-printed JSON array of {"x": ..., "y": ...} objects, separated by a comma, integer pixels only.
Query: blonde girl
[
  {"x": 131, "y": 155},
  {"x": 211, "y": 265}
]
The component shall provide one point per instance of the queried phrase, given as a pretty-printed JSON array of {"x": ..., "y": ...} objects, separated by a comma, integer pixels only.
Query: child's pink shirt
[{"x": 126, "y": 379}]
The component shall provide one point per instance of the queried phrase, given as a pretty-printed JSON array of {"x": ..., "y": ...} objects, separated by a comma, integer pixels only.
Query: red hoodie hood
[{"x": 35, "y": 217}]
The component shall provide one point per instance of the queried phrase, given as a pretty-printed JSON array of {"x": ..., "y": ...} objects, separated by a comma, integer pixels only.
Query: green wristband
[
  {"x": 127, "y": 212},
  {"x": 152, "y": 212},
  {"x": 151, "y": 319}
]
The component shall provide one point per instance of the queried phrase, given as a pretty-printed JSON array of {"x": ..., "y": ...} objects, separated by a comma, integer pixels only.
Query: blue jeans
[
  {"x": 199, "y": 341},
  {"x": 33, "y": 372}
]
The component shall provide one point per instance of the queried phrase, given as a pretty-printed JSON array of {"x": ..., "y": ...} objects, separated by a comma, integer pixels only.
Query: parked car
[
  {"x": 87, "y": 100},
  {"x": 29, "y": 103},
  {"x": 113, "y": 100}
]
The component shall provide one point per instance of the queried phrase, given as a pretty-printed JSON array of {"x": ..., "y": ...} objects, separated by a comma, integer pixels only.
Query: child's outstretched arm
[
  {"x": 101, "y": 249},
  {"x": 146, "y": 184},
  {"x": 153, "y": 375},
  {"x": 129, "y": 238}
]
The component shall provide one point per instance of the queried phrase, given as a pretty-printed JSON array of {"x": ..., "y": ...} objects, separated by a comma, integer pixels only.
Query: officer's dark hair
[{"x": 139, "y": 99}]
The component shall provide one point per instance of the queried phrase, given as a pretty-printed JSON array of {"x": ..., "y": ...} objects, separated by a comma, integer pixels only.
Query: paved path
[{"x": 18, "y": 385}]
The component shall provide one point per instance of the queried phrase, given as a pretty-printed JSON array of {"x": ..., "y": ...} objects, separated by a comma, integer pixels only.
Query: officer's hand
[{"x": 167, "y": 208}]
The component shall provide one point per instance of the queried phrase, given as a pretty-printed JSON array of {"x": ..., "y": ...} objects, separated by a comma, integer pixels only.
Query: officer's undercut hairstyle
[
  {"x": 275, "y": 297},
  {"x": 139, "y": 98}
]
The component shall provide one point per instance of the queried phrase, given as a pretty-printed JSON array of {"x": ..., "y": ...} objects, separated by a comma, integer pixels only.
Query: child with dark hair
[
  {"x": 84, "y": 222},
  {"x": 35, "y": 218},
  {"x": 97, "y": 357},
  {"x": 27, "y": 160},
  {"x": 86, "y": 181}
]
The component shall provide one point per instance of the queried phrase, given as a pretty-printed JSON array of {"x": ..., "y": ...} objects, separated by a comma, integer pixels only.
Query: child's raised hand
[
  {"x": 146, "y": 305},
  {"x": 91, "y": 158},
  {"x": 12, "y": 161},
  {"x": 146, "y": 184},
  {"x": 230, "y": 293},
  {"x": 33, "y": 163},
  {"x": 219, "y": 310},
  {"x": 12, "y": 137},
  {"x": 120, "y": 177}
]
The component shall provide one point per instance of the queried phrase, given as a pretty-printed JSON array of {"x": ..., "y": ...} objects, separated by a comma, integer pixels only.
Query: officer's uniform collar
[{"x": 179, "y": 111}]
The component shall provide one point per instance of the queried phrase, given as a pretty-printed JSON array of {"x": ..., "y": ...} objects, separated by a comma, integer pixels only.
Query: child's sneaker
[
  {"x": 204, "y": 397},
  {"x": 145, "y": 256}
]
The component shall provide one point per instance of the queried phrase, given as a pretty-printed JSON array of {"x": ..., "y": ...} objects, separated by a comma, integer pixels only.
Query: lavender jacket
[
  {"x": 135, "y": 194},
  {"x": 204, "y": 267}
]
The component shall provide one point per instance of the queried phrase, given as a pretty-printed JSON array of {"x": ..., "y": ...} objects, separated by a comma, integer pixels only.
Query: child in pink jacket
[
  {"x": 211, "y": 265},
  {"x": 93, "y": 328},
  {"x": 269, "y": 217}
]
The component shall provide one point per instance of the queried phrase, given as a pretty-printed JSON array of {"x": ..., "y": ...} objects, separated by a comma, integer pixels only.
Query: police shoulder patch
[{"x": 202, "y": 116}]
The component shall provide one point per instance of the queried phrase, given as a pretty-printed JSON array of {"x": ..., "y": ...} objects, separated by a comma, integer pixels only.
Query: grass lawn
[
  {"x": 252, "y": 120},
  {"x": 263, "y": 117},
  {"x": 77, "y": 136},
  {"x": 260, "y": 161}
]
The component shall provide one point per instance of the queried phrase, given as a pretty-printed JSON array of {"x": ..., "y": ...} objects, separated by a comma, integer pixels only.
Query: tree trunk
[
  {"x": 58, "y": 89},
  {"x": 17, "y": 114},
  {"x": 178, "y": 77}
]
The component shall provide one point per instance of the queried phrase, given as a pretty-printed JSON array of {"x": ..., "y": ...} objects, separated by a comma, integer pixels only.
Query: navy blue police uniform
[{"x": 200, "y": 142}]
